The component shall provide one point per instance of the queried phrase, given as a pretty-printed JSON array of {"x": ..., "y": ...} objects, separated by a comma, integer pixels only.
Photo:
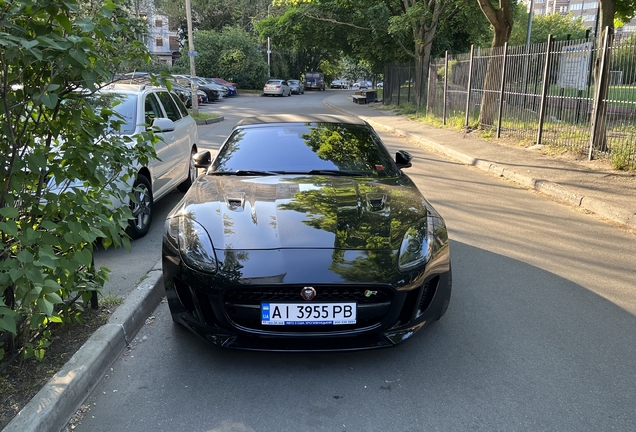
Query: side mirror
[
  {"x": 403, "y": 159},
  {"x": 203, "y": 159},
  {"x": 163, "y": 125}
]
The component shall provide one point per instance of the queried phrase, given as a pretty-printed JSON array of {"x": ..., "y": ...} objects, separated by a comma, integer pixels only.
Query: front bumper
[{"x": 214, "y": 307}]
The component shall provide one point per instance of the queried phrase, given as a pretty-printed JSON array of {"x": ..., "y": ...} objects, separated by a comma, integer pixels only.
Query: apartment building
[{"x": 162, "y": 40}]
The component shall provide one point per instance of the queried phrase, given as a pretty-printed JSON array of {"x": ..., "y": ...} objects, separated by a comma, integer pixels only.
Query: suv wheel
[
  {"x": 141, "y": 208},
  {"x": 192, "y": 174}
]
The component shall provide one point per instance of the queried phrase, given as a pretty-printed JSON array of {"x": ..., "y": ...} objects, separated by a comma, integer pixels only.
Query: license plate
[{"x": 308, "y": 314}]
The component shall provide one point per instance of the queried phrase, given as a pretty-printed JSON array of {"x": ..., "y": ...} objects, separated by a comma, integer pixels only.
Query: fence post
[
  {"x": 445, "y": 85},
  {"x": 470, "y": 84},
  {"x": 501, "y": 89},
  {"x": 597, "y": 102},
  {"x": 544, "y": 89}
]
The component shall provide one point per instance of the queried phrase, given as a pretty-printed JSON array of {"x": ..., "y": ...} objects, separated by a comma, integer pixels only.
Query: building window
[
  {"x": 563, "y": 9},
  {"x": 590, "y": 5},
  {"x": 159, "y": 42},
  {"x": 577, "y": 6},
  {"x": 174, "y": 43},
  {"x": 158, "y": 23}
]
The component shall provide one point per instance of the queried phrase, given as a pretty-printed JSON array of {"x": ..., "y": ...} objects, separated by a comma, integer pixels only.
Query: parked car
[
  {"x": 294, "y": 241},
  {"x": 339, "y": 84},
  {"x": 297, "y": 87},
  {"x": 231, "y": 89},
  {"x": 139, "y": 106},
  {"x": 380, "y": 84},
  {"x": 276, "y": 87},
  {"x": 209, "y": 90},
  {"x": 223, "y": 90}
]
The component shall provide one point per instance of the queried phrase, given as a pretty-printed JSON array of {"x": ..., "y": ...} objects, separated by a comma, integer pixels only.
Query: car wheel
[
  {"x": 192, "y": 174},
  {"x": 448, "y": 296},
  {"x": 141, "y": 208},
  {"x": 289, "y": 94}
]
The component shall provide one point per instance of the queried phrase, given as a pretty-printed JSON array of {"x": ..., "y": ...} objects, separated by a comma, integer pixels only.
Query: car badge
[
  {"x": 308, "y": 293},
  {"x": 369, "y": 293}
]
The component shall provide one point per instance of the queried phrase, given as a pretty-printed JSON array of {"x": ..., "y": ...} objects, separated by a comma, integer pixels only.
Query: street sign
[{"x": 192, "y": 53}]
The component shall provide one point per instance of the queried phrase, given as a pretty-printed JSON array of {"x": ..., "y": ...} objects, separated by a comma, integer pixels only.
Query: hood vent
[
  {"x": 235, "y": 201},
  {"x": 376, "y": 201}
]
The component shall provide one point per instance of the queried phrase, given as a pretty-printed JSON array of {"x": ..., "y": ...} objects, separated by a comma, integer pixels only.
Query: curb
[
  {"x": 210, "y": 121},
  {"x": 52, "y": 407},
  {"x": 557, "y": 191}
]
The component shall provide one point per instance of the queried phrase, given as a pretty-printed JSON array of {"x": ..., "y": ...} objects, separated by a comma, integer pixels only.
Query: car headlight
[
  {"x": 421, "y": 242},
  {"x": 193, "y": 243}
]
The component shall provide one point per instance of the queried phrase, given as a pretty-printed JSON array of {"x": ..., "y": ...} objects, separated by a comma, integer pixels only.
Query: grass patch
[
  {"x": 250, "y": 91},
  {"x": 203, "y": 116}
]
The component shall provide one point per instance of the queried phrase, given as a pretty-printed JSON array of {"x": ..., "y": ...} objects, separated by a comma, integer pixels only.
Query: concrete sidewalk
[{"x": 592, "y": 186}]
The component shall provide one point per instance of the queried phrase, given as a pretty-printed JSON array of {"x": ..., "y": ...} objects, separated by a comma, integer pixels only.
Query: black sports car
[{"x": 305, "y": 235}]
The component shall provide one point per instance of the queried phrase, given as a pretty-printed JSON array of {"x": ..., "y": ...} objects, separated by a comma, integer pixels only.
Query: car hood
[{"x": 324, "y": 212}]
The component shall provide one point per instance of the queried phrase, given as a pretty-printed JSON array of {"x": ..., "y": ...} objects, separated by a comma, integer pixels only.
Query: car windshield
[
  {"x": 274, "y": 82},
  {"x": 312, "y": 148},
  {"x": 292, "y": 82}
]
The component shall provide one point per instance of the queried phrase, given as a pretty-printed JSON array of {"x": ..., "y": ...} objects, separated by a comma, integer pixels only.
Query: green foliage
[
  {"x": 61, "y": 165},
  {"x": 441, "y": 72},
  {"x": 624, "y": 59},
  {"x": 232, "y": 54},
  {"x": 559, "y": 26}
]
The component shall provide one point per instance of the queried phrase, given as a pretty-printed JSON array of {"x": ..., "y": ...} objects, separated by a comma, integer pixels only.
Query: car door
[
  {"x": 159, "y": 167},
  {"x": 179, "y": 151}
]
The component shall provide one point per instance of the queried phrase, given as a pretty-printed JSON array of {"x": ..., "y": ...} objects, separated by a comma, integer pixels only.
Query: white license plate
[{"x": 308, "y": 313}]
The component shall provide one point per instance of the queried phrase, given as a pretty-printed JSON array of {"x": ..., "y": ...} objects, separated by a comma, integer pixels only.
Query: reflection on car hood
[{"x": 277, "y": 212}]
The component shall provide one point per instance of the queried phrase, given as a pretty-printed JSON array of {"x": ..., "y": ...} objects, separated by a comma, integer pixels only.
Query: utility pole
[
  {"x": 192, "y": 53},
  {"x": 269, "y": 49}
]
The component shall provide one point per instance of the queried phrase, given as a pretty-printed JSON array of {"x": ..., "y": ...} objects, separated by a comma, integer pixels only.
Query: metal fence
[{"x": 542, "y": 93}]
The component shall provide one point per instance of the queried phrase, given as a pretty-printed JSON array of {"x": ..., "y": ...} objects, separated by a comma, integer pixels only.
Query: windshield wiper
[{"x": 244, "y": 173}]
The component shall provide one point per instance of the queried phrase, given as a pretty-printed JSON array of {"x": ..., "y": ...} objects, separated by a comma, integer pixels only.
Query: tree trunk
[
  {"x": 492, "y": 80},
  {"x": 601, "y": 82},
  {"x": 422, "y": 59}
]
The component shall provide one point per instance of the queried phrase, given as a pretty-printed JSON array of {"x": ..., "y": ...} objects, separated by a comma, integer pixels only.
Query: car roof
[
  {"x": 129, "y": 88},
  {"x": 300, "y": 118}
]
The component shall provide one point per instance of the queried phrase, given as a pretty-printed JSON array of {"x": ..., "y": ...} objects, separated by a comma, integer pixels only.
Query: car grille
[{"x": 243, "y": 306}]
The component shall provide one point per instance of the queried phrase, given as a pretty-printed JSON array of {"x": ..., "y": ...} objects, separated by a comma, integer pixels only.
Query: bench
[{"x": 359, "y": 99}]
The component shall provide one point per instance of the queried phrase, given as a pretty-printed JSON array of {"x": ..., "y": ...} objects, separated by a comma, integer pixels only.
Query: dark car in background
[
  {"x": 304, "y": 234},
  {"x": 231, "y": 89},
  {"x": 297, "y": 86},
  {"x": 314, "y": 81},
  {"x": 186, "y": 80}
]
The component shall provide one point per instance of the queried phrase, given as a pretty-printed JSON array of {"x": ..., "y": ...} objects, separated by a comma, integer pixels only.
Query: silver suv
[{"x": 142, "y": 106}]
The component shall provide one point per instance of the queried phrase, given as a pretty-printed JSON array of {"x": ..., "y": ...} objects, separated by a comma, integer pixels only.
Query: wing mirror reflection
[
  {"x": 403, "y": 159},
  {"x": 202, "y": 159}
]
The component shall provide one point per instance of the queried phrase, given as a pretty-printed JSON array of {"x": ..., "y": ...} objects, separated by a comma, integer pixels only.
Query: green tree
[
  {"x": 232, "y": 54},
  {"x": 559, "y": 26},
  {"x": 61, "y": 160}
]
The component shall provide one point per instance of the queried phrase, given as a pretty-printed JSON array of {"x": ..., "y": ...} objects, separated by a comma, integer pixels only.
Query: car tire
[
  {"x": 289, "y": 94},
  {"x": 193, "y": 173},
  {"x": 141, "y": 209},
  {"x": 448, "y": 296}
]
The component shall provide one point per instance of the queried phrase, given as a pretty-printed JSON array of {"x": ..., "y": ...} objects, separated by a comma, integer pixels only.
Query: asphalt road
[{"x": 539, "y": 335}]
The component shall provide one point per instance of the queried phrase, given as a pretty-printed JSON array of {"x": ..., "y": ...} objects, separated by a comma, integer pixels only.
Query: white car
[
  {"x": 142, "y": 106},
  {"x": 277, "y": 87}
]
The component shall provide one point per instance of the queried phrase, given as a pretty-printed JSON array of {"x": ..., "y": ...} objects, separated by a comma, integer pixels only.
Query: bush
[{"x": 60, "y": 157}]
